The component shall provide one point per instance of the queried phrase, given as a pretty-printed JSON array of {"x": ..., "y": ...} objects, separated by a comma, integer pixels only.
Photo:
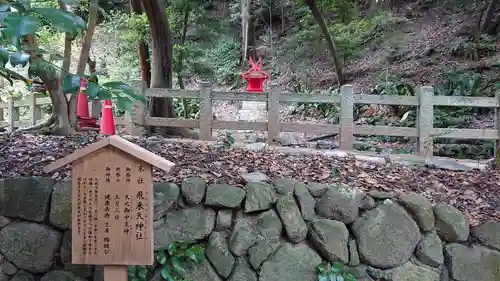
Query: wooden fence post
[
  {"x": 136, "y": 120},
  {"x": 425, "y": 121},
  {"x": 273, "y": 114},
  {"x": 35, "y": 110},
  {"x": 206, "y": 115},
  {"x": 13, "y": 114},
  {"x": 346, "y": 121},
  {"x": 1, "y": 115},
  {"x": 496, "y": 155}
]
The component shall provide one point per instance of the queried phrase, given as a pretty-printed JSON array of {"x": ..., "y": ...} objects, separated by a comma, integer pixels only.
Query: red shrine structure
[{"x": 255, "y": 76}]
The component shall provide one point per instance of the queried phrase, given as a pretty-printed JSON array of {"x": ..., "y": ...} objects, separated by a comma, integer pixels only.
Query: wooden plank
[
  {"x": 239, "y": 96},
  {"x": 13, "y": 114},
  {"x": 112, "y": 221},
  {"x": 115, "y": 273},
  {"x": 451, "y": 133},
  {"x": 497, "y": 127},
  {"x": 425, "y": 121},
  {"x": 172, "y": 93},
  {"x": 172, "y": 122},
  {"x": 308, "y": 98},
  {"x": 273, "y": 115},
  {"x": 385, "y": 99},
  {"x": 386, "y": 131},
  {"x": 239, "y": 125},
  {"x": 346, "y": 117},
  {"x": 465, "y": 101},
  {"x": 206, "y": 115},
  {"x": 310, "y": 128}
]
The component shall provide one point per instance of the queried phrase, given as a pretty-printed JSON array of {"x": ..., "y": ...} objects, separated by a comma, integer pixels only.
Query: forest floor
[{"x": 470, "y": 191}]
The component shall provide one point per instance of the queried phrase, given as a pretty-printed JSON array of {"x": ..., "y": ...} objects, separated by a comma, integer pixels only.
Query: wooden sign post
[{"x": 112, "y": 204}]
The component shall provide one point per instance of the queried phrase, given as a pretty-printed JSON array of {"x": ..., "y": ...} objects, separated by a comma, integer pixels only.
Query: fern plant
[
  {"x": 174, "y": 262},
  {"x": 333, "y": 272}
]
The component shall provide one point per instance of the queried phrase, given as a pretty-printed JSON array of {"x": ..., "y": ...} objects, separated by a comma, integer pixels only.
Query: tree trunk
[
  {"x": 488, "y": 24},
  {"x": 143, "y": 48},
  {"x": 245, "y": 27},
  {"x": 161, "y": 74},
  {"x": 84, "y": 55},
  {"x": 329, "y": 40},
  {"x": 225, "y": 9}
]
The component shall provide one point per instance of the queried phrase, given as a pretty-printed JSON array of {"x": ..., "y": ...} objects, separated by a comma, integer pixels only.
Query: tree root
[
  {"x": 47, "y": 123},
  {"x": 323, "y": 137}
]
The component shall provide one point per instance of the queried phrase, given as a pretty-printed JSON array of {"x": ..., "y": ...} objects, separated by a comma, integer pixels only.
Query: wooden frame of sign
[{"x": 112, "y": 204}]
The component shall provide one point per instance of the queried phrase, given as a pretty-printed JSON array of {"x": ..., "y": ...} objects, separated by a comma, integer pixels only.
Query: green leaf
[
  {"x": 104, "y": 94},
  {"x": 322, "y": 268},
  {"x": 4, "y": 56},
  {"x": 71, "y": 83},
  {"x": 124, "y": 103},
  {"x": 131, "y": 271},
  {"x": 323, "y": 277},
  {"x": 166, "y": 274},
  {"x": 93, "y": 91},
  {"x": 20, "y": 25},
  {"x": 176, "y": 262},
  {"x": 337, "y": 267},
  {"x": 172, "y": 247},
  {"x": 196, "y": 254},
  {"x": 4, "y": 7},
  {"x": 339, "y": 278},
  {"x": 161, "y": 257},
  {"x": 71, "y": 2},
  {"x": 142, "y": 272},
  {"x": 119, "y": 86},
  {"x": 62, "y": 20},
  {"x": 19, "y": 58}
]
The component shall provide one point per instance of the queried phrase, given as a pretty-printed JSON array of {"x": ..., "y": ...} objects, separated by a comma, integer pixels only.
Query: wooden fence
[{"x": 425, "y": 100}]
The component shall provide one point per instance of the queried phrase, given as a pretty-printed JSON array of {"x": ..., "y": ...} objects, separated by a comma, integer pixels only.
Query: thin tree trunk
[
  {"x": 180, "y": 80},
  {"x": 329, "y": 40},
  {"x": 84, "y": 55},
  {"x": 488, "y": 25},
  {"x": 143, "y": 48}
]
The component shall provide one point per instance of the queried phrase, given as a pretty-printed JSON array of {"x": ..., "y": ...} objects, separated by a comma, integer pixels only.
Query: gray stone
[
  {"x": 224, "y": 219},
  {"x": 284, "y": 186},
  {"x": 60, "y": 206},
  {"x": 386, "y": 236},
  {"x": 82, "y": 270},
  {"x": 290, "y": 263},
  {"x": 306, "y": 201},
  {"x": 66, "y": 248},
  {"x": 255, "y": 177},
  {"x": 22, "y": 275},
  {"x": 217, "y": 252},
  {"x": 488, "y": 234},
  {"x": 243, "y": 272},
  {"x": 184, "y": 225},
  {"x": 260, "y": 196},
  {"x": 9, "y": 268},
  {"x": 269, "y": 225},
  {"x": 3, "y": 276},
  {"x": 165, "y": 195},
  {"x": 430, "y": 250},
  {"x": 359, "y": 272},
  {"x": 381, "y": 274},
  {"x": 340, "y": 204},
  {"x": 472, "y": 263},
  {"x": 381, "y": 194},
  {"x": 451, "y": 224},
  {"x": 29, "y": 246},
  {"x": 353, "y": 253},
  {"x": 61, "y": 275},
  {"x": 259, "y": 253},
  {"x": 367, "y": 203},
  {"x": 412, "y": 272},
  {"x": 317, "y": 189},
  {"x": 330, "y": 239},
  {"x": 224, "y": 196},
  {"x": 4, "y": 221},
  {"x": 193, "y": 190},
  {"x": 421, "y": 208},
  {"x": 26, "y": 198},
  {"x": 241, "y": 239},
  {"x": 202, "y": 272},
  {"x": 294, "y": 224},
  {"x": 99, "y": 273}
]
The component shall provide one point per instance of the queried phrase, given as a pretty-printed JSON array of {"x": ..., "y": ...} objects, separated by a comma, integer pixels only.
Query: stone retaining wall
[{"x": 264, "y": 232}]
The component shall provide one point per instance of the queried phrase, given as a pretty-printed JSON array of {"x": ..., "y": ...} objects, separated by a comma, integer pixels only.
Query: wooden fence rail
[{"x": 425, "y": 100}]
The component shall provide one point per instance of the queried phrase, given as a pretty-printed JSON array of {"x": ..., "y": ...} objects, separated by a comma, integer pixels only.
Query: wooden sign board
[
  {"x": 113, "y": 214},
  {"x": 112, "y": 203}
]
